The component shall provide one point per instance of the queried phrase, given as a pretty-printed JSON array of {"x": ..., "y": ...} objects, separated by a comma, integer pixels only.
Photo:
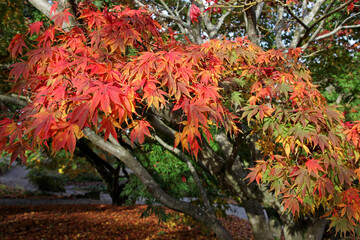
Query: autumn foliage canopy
[{"x": 117, "y": 65}]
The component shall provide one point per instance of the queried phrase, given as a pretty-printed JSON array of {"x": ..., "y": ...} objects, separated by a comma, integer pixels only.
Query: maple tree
[
  {"x": 119, "y": 77},
  {"x": 315, "y": 26}
]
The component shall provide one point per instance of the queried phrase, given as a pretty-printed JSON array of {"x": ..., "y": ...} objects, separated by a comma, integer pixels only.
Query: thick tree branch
[
  {"x": 251, "y": 27},
  {"x": 259, "y": 9},
  {"x": 279, "y": 27},
  {"x": 198, "y": 182},
  {"x": 314, "y": 10},
  {"x": 93, "y": 157},
  {"x": 304, "y": 6},
  {"x": 13, "y": 99},
  {"x": 228, "y": 149},
  {"x": 43, "y": 6},
  {"x": 226, "y": 146},
  {"x": 161, "y": 127},
  {"x": 159, "y": 194}
]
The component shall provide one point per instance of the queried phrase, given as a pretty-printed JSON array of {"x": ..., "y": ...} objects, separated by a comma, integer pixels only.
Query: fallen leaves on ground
[{"x": 102, "y": 222}]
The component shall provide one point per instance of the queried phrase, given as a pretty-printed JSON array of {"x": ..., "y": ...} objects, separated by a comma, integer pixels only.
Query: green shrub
[
  {"x": 96, "y": 188},
  {"x": 4, "y": 163},
  {"x": 46, "y": 181},
  {"x": 87, "y": 177}
]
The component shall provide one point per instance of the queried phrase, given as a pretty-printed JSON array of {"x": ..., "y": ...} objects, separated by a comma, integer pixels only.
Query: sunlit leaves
[
  {"x": 139, "y": 130},
  {"x": 292, "y": 203},
  {"x": 313, "y": 166},
  {"x": 353, "y": 134},
  {"x": 119, "y": 69},
  {"x": 42, "y": 124},
  {"x": 65, "y": 137},
  {"x": 319, "y": 151},
  {"x": 61, "y": 17},
  {"x": 109, "y": 126}
]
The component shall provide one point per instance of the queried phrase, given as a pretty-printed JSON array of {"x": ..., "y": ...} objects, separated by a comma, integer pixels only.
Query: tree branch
[
  {"x": 222, "y": 19},
  {"x": 167, "y": 7},
  {"x": 306, "y": 20},
  {"x": 317, "y": 31},
  {"x": 93, "y": 158},
  {"x": 13, "y": 99},
  {"x": 198, "y": 182},
  {"x": 251, "y": 28},
  {"x": 163, "y": 15},
  {"x": 279, "y": 28},
  {"x": 43, "y": 6},
  {"x": 336, "y": 30},
  {"x": 259, "y": 9},
  {"x": 303, "y": 7},
  {"x": 330, "y": 13},
  {"x": 296, "y": 18},
  {"x": 159, "y": 194}
]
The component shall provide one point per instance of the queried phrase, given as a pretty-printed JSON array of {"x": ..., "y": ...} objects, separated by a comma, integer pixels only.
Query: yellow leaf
[
  {"x": 357, "y": 156},
  {"x": 303, "y": 146},
  {"x": 287, "y": 149}
]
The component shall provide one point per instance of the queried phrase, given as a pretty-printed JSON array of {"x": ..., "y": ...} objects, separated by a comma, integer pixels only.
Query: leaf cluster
[{"x": 119, "y": 67}]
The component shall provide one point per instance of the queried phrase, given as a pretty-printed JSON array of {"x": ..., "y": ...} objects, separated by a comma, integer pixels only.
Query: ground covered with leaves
[{"x": 103, "y": 222}]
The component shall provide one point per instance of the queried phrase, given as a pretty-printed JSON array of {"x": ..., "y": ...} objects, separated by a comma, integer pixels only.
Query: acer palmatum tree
[
  {"x": 118, "y": 76},
  {"x": 272, "y": 24},
  {"x": 315, "y": 26}
]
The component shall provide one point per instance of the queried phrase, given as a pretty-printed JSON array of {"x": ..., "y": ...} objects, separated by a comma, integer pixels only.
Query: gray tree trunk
[
  {"x": 312, "y": 230},
  {"x": 259, "y": 223}
]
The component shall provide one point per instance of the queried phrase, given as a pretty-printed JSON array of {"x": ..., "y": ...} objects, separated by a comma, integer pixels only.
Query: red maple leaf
[
  {"x": 35, "y": 27},
  {"x": 313, "y": 166},
  {"x": 350, "y": 7},
  {"x": 183, "y": 178},
  {"x": 140, "y": 128},
  {"x": 54, "y": 7},
  {"x": 61, "y": 17},
  {"x": 194, "y": 13},
  {"x": 16, "y": 45}
]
